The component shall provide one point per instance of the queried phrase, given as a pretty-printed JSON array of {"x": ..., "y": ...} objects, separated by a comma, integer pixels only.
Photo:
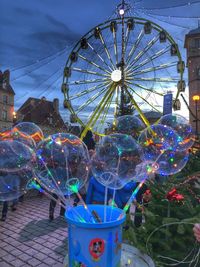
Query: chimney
[
  {"x": 6, "y": 76},
  {"x": 43, "y": 98},
  {"x": 56, "y": 105},
  {"x": 32, "y": 102}
]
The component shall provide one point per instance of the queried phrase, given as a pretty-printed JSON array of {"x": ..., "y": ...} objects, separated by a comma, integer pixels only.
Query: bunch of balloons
[
  {"x": 57, "y": 165},
  {"x": 17, "y": 157},
  {"x": 60, "y": 164}
]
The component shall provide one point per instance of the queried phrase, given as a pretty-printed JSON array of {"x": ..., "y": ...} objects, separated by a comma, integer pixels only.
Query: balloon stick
[
  {"x": 132, "y": 197},
  {"x": 74, "y": 189},
  {"x": 105, "y": 203}
]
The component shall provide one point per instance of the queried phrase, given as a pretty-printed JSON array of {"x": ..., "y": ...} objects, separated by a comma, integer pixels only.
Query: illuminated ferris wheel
[{"x": 124, "y": 65}]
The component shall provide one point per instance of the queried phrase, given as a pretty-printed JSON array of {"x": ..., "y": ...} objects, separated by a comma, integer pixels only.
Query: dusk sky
[{"x": 37, "y": 36}]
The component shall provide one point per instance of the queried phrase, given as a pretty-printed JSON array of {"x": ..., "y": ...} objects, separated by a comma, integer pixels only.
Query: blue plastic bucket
[{"x": 94, "y": 244}]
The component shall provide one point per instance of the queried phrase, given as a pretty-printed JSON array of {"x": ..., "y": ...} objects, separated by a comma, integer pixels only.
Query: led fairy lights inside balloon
[
  {"x": 63, "y": 165},
  {"x": 31, "y": 129},
  {"x": 115, "y": 161},
  {"x": 16, "y": 161}
]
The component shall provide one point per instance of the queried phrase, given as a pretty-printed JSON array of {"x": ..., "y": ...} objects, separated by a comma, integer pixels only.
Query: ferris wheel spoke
[
  {"x": 93, "y": 63},
  {"x": 90, "y": 100},
  {"x": 106, "y": 50},
  {"x": 88, "y": 81},
  {"x": 126, "y": 40},
  {"x": 149, "y": 59},
  {"x": 104, "y": 115},
  {"x": 135, "y": 45},
  {"x": 89, "y": 72},
  {"x": 117, "y": 98},
  {"x": 143, "y": 99},
  {"x": 141, "y": 53},
  {"x": 92, "y": 48},
  {"x": 145, "y": 120},
  {"x": 102, "y": 108},
  {"x": 160, "y": 80},
  {"x": 99, "y": 108},
  {"x": 115, "y": 45},
  {"x": 89, "y": 90},
  {"x": 153, "y": 69},
  {"x": 145, "y": 88}
]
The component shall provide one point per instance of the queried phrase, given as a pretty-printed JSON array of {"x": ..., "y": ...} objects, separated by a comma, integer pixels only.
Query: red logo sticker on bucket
[{"x": 96, "y": 248}]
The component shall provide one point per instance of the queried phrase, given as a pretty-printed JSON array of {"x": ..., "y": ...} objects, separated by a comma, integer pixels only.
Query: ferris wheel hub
[{"x": 116, "y": 75}]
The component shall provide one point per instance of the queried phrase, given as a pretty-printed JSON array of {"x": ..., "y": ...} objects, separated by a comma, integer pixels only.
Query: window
[
  {"x": 192, "y": 43},
  {"x": 195, "y": 43},
  {"x": 11, "y": 100},
  {"x": 5, "y": 99},
  {"x": 198, "y": 72},
  {"x": 4, "y": 115},
  {"x": 50, "y": 120}
]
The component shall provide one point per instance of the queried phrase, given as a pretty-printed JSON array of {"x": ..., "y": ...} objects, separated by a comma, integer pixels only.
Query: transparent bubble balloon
[
  {"x": 15, "y": 156},
  {"x": 62, "y": 163},
  {"x": 172, "y": 162},
  {"x": 145, "y": 171},
  {"x": 31, "y": 129},
  {"x": 182, "y": 127},
  {"x": 128, "y": 124},
  {"x": 156, "y": 139},
  {"x": 115, "y": 161},
  {"x": 14, "y": 184},
  {"x": 19, "y": 136}
]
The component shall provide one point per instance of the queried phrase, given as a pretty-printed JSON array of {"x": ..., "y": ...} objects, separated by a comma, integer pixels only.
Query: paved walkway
[{"x": 27, "y": 238}]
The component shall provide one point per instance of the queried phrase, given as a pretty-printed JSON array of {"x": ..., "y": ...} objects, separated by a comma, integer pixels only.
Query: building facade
[
  {"x": 6, "y": 101},
  {"x": 192, "y": 45},
  {"x": 44, "y": 113}
]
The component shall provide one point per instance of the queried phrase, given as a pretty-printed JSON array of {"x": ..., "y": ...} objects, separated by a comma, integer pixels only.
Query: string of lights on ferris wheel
[
  {"x": 136, "y": 9},
  {"x": 188, "y": 3},
  {"x": 37, "y": 61},
  {"x": 55, "y": 56},
  {"x": 59, "y": 70},
  {"x": 38, "y": 67}
]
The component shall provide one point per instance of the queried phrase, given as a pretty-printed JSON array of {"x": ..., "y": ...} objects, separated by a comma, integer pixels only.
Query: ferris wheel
[{"x": 124, "y": 65}]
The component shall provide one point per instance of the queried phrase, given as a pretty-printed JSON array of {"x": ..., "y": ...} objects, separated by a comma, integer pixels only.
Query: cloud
[
  {"x": 25, "y": 11},
  {"x": 52, "y": 40},
  {"x": 31, "y": 34}
]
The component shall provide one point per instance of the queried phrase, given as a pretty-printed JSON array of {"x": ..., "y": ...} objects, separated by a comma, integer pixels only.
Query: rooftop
[{"x": 195, "y": 31}]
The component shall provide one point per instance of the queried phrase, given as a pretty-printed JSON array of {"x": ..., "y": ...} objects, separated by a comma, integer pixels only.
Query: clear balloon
[
  {"x": 15, "y": 156},
  {"x": 31, "y": 129},
  {"x": 19, "y": 136},
  {"x": 115, "y": 161},
  {"x": 128, "y": 124},
  {"x": 172, "y": 162},
  {"x": 182, "y": 127},
  {"x": 156, "y": 139},
  {"x": 14, "y": 184},
  {"x": 145, "y": 171},
  {"x": 62, "y": 163}
]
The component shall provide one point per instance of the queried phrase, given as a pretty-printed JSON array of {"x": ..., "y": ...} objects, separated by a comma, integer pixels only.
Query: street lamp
[{"x": 196, "y": 98}]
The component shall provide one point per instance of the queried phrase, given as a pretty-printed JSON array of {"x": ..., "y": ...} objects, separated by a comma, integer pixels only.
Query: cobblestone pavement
[{"x": 27, "y": 238}]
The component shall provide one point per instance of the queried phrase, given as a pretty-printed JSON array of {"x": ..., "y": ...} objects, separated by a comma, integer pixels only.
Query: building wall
[
  {"x": 6, "y": 101},
  {"x": 193, "y": 64}
]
